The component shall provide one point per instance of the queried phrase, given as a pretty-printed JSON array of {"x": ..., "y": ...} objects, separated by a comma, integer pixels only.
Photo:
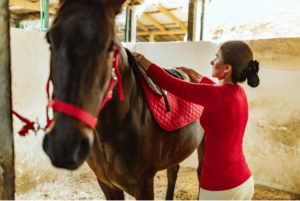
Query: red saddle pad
[{"x": 181, "y": 112}]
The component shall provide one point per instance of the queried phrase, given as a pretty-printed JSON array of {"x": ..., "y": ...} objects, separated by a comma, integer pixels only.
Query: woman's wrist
[{"x": 145, "y": 63}]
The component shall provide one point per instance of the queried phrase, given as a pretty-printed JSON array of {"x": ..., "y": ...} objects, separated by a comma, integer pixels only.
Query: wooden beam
[
  {"x": 15, "y": 16},
  {"x": 157, "y": 11},
  {"x": 160, "y": 38},
  {"x": 151, "y": 38},
  {"x": 168, "y": 32},
  {"x": 162, "y": 28},
  {"x": 7, "y": 167},
  {"x": 128, "y": 25},
  {"x": 192, "y": 15},
  {"x": 153, "y": 21},
  {"x": 165, "y": 24},
  {"x": 141, "y": 26},
  {"x": 202, "y": 20},
  {"x": 172, "y": 17},
  {"x": 144, "y": 38},
  {"x": 177, "y": 38},
  {"x": 29, "y": 5}
]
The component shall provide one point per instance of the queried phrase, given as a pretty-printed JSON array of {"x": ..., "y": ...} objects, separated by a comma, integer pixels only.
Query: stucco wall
[
  {"x": 272, "y": 136},
  {"x": 30, "y": 70}
]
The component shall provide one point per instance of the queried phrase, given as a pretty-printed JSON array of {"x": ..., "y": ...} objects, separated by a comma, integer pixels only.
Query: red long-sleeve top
[{"x": 224, "y": 120}]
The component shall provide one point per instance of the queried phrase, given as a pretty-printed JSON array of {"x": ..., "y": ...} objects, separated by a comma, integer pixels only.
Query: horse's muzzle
[{"x": 66, "y": 153}]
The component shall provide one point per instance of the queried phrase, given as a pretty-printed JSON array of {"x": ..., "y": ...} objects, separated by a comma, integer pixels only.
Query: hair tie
[{"x": 253, "y": 66}]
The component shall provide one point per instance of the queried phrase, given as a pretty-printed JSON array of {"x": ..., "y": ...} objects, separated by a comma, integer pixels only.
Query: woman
[{"x": 225, "y": 174}]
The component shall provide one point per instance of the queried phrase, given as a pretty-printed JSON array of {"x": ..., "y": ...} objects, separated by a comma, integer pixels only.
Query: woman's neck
[{"x": 225, "y": 81}]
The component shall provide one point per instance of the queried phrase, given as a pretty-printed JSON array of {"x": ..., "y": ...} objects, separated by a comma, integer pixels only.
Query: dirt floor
[{"x": 85, "y": 187}]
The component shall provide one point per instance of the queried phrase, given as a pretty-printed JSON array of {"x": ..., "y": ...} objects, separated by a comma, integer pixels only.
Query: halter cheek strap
[{"x": 79, "y": 113}]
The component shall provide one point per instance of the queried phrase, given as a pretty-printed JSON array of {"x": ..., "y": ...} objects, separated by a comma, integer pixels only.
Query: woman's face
[{"x": 218, "y": 67}]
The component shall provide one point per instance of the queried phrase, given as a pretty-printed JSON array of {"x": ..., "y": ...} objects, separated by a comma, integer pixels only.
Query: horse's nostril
[{"x": 84, "y": 148}]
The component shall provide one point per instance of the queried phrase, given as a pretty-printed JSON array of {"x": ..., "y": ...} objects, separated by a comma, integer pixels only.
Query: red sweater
[{"x": 224, "y": 120}]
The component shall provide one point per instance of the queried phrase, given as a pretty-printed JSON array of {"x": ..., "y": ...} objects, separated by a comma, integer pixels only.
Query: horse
[{"x": 127, "y": 146}]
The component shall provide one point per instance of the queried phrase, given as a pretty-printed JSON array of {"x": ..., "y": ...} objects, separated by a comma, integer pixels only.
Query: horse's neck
[{"x": 131, "y": 90}]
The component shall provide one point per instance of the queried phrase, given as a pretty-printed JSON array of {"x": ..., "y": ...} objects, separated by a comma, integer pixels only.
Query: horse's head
[{"x": 82, "y": 43}]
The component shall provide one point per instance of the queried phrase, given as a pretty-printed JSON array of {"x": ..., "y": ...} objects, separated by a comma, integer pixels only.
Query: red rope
[
  {"x": 28, "y": 124},
  {"x": 116, "y": 66}
]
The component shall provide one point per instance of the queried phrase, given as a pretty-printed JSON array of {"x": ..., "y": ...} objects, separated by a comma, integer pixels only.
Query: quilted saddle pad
[{"x": 181, "y": 112}]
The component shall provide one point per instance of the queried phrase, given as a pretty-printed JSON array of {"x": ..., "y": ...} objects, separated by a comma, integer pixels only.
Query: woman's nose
[{"x": 212, "y": 62}]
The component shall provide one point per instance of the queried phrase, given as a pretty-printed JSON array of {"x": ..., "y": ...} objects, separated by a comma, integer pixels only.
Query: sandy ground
[{"x": 85, "y": 187}]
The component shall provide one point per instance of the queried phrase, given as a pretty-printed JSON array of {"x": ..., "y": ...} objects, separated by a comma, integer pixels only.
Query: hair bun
[
  {"x": 253, "y": 66},
  {"x": 252, "y": 77}
]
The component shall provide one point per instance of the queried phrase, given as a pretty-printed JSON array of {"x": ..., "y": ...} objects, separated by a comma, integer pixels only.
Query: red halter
[{"x": 79, "y": 113}]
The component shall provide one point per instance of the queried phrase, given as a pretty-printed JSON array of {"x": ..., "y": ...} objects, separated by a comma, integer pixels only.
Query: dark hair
[{"x": 240, "y": 56}]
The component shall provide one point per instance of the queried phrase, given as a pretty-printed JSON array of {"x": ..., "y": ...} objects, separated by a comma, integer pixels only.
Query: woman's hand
[
  {"x": 193, "y": 74},
  {"x": 142, "y": 61}
]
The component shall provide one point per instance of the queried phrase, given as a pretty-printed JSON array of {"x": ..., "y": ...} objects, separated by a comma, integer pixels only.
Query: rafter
[
  {"x": 147, "y": 33},
  {"x": 165, "y": 24},
  {"x": 157, "y": 11},
  {"x": 144, "y": 38},
  {"x": 15, "y": 16},
  {"x": 143, "y": 27},
  {"x": 177, "y": 38},
  {"x": 29, "y": 5},
  {"x": 172, "y": 17},
  {"x": 153, "y": 21},
  {"x": 167, "y": 32},
  {"x": 164, "y": 31},
  {"x": 160, "y": 38}
]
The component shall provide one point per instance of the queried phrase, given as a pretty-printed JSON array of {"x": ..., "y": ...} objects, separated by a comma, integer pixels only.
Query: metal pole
[
  {"x": 7, "y": 173},
  {"x": 202, "y": 20},
  {"x": 46, "y": 15}
]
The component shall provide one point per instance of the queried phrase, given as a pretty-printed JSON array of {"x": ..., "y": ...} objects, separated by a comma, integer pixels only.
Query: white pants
[{"x": 243, "y": 192}]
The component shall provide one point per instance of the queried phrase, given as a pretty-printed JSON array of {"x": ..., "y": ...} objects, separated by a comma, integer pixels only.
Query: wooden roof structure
[{"x": 156, "y": 24}]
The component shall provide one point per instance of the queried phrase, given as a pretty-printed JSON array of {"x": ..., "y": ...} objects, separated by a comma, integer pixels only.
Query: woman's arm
[{"x": 206, "y": 95}]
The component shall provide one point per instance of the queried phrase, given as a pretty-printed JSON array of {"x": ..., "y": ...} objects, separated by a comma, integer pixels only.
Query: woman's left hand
[{"x": 193, "y": 74}]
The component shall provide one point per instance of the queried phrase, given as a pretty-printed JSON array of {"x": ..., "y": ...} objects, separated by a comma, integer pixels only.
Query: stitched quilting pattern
[{"x": 181, "y": 112}]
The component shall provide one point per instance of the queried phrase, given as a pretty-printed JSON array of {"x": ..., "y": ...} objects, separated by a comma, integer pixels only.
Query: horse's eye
[{"x": 111, "y": 47}]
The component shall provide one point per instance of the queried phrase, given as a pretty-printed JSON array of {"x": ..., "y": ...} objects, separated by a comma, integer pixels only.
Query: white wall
[
  {"x": 273, "y": 133},
  {"x": 30, "y": 71},
  {"x": 272, "y": 138}
]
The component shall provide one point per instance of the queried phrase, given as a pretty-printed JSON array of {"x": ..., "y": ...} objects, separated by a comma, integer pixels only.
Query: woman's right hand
[
  {"x": 143, "y": 62},
  {"x": 193, "y": 74}
]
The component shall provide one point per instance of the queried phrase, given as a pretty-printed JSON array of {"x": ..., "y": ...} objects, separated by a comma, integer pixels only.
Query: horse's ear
[{"x": 116, "y": 5}]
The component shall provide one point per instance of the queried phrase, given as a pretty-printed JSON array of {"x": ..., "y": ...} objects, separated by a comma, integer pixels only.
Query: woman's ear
[
  {"x": 116, "y": 5},
  {"x": 228, "y": 68}
]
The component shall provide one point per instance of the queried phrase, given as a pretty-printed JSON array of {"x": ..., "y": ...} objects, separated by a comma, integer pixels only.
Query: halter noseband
[{"x": 79, "y": 113}]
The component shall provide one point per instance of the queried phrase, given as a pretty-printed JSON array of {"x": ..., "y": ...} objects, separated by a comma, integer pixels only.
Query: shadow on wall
[{"x": 272, "y": 139}]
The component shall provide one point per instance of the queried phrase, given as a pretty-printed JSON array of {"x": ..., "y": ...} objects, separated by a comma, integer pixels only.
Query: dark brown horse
[{"x": 127, "y": 147}]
